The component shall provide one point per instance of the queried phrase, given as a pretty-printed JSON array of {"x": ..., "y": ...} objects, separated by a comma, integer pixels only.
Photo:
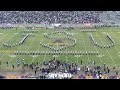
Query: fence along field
[{"x": 84, "y": 49}]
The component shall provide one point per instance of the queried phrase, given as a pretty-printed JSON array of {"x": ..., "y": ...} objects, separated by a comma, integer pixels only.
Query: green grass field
[{"x": 110, "y": 56}]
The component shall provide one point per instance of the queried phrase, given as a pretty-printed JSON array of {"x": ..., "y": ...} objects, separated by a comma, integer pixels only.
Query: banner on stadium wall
[
  {"x": 87, "y": 24},
  {"x": 56, "y": 25},
  {"x": 5, "y": 25}
]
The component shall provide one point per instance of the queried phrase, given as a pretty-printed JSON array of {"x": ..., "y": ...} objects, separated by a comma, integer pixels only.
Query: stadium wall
[{"x": 63, "y": 25}]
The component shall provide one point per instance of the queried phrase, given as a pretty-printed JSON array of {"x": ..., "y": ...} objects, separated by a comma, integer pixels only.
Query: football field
[{"x": 84, "y": 45}]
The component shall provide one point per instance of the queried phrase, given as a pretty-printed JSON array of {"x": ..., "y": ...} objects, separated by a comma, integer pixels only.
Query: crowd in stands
[
  {"x": 50, "y": 17},
  {"x": 111, "y": 16},
  {"x": 59, "y": 69}
]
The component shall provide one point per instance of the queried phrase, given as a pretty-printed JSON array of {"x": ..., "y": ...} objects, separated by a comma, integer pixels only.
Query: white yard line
[
  {"x": 1, "y": 46},
  {"x": 97, "y": 51},
  {"x": 85, "y": 47},
  {"x": 45, "y": 54},
  {"x": 76, "y": 49},
  {"x": 32, "y": 42},
  {"x": 17, "y": 49},
  {"x": 115, "y": 46},
  {"x": 3, "y": 38},
  {"x": 37, "y": 50},
  {"x": 66, "y": 51},
  {"x": 115, "y": 37},
  {"x": 108, "y": 52}
]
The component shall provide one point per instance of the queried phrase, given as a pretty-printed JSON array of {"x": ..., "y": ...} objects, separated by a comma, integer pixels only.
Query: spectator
[
  {"x": 13, "y": 66},
  {"x": 49, "y": 17},
  {"x": 81, "y": 62},
  {"x": 7, "y": 63}
]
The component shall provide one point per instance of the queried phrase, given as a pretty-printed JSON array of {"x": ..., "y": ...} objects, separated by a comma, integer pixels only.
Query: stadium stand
[{"x": 49, "y": 17}]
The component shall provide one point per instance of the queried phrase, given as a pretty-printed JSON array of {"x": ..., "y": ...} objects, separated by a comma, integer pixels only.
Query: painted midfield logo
[{"x": 59, "y": 40}]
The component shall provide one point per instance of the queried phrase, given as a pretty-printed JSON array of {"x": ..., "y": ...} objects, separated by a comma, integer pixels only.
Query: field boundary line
[
  {"x": 85, "y": 47},
  {"x": 37, "y": 49},
  {"x": 47, "y": 51},
  {"x": 75, "y": 45}
]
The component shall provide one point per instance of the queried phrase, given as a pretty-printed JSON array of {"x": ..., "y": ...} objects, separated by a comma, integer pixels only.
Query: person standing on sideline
[
  {"x": 7, "y": 63},
  {"x": 116, "y": 73},
  {"x": 104, "y": 64},
  {"x": 108, "y": 70},
  {"x": 35, "y": 72},
  {"x": 81, "y": 62},
  {"x": 16, "y": 28},
  {"x": 93, "y": 62},
  {"x": 13, "y": 66}
]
